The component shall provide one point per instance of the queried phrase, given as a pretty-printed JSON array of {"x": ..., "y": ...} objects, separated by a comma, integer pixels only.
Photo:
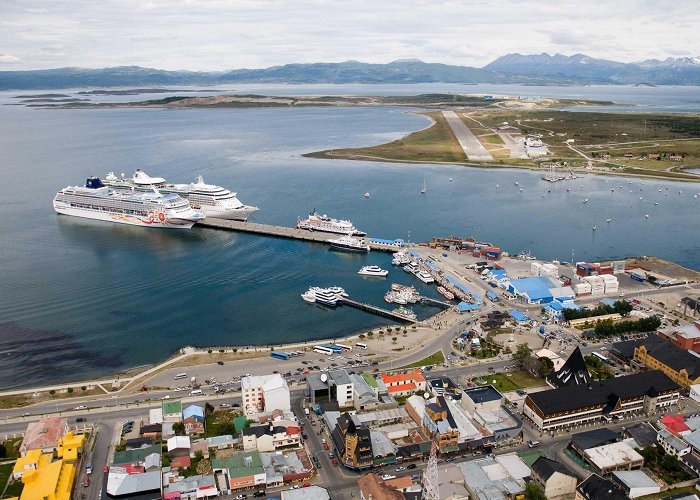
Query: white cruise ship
[
  {"x": 325, "y": 224},
  {"x": 349, "y": 244},
  {"x": 211, "y": 200},
  {"x": 96, "y": 201}
]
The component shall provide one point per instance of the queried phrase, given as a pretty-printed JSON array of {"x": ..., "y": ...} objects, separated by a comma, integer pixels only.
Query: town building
[
  {"x": 155, "y": 415},
  {"x": 495, "y": 478},
  {"x": 635, "y": 483},
  {"x": 191, "y": 488},
  {"x": 135, "y": 456},
  {"x": 49, "y": 480},
  {"x": 641, "y": 393},
  {"x": 353, "y": 443},
  {"x": 582, "y": 441},
  {"x": 243, "y": 470},
  {"x": 123, "y": 484},
  {"x": 555, "y": 479},
  {"x": 264, "y": 393},
  {"x": 43, "y": 435},
  {"x": 695, "y": 392},
  {"x": 613, "y": 457},
  {"x": 686, "y": 337},
  {"x": 643, "y": 434},
  {"x": 595, "y": 487},
  {"x": 172, "y": 411},
  {"x": 573, "y": 372},
  {"x": 312, "y": 492},
  {"x": 672, "y": 444},
  {"x": 179, "y": 446},
  {"x": 193, "y": 418},
  {"x": 224, "y": 442},
  {"x": 487, "y": 409},
  {"x": 332, "y": 389},
  {"x": 680, "y": 365},
  {"x": 289, "y": 466},
  {"x": 271, "y": 437},
  {"x": 404, "y": 383},
  {"x": 373, "y": 487}
]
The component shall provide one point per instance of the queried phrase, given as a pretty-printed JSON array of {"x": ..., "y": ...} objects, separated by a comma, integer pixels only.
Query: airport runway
[{"x": 470, "y": 144}]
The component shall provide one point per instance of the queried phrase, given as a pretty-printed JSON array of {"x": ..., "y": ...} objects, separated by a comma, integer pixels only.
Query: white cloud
[
  {"x": 222, "y": 34},
  {"x": 8, "y": 59}
]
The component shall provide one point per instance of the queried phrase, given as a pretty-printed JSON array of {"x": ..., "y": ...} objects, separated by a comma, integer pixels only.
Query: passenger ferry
[
  {"x": 350, "y": 244},
  {"x": 211, "y": 200},
  {"x": 324, "y": 296},
  {"x": 400, "y": 259},
  {"x": 96, "y": 201},
  {"x": 325, "y": 224}
]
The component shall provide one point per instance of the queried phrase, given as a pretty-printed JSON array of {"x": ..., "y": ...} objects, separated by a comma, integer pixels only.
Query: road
[{"x": 470, "y": 144}]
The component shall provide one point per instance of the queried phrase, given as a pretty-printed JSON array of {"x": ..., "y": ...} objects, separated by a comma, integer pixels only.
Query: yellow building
[
  {"x": 678, "y": 364},
  {"x": 53, "y": 481},
  {"x": 31, "y": 461},
  {"x": 70, "y": 446}
]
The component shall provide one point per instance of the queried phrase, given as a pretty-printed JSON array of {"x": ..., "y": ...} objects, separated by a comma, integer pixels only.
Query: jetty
[
  {"x": 434, "y": 302},
  {"x": 375, "y": 310},
  {"x": 289, "y": 232}
]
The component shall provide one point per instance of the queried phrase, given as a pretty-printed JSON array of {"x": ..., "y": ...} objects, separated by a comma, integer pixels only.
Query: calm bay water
[{"x": 80, "y": 298}]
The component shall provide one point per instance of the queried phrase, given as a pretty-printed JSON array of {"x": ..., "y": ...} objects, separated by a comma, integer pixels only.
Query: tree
[
  {"x": 235, "y": 350},
  {"x": 533, "y": 492},
  {"x": 179, "y": 428},
  {"x": 209, "y": 351},
  {"x": 362, "y": 336},
  {"x": 546, "y": 366},
  {"x": 221, "y": 351},
  {"x": 70, "y": 390},
  {"x": 522, "y": 353},
  {"x": 393, "y": 339},
  {"x": 532, "y": 365},
  {"x": 199, "y": 455},
  {"x": 3, "y": 450},
  {"x": 83, "y": 388},
  {"x": 208, "y": 409},
  {"x": 52, "y": 392}
]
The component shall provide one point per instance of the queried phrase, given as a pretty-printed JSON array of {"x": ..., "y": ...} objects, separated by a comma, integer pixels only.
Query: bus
[
  {"x": 344, "y": 347},
  {"x": 601, "y": 357},
  {"x": 323, "y": 350},
  {"x": 180, "y": 376},
  {"x": 279, "y": 355},
  {"x": 334, "y": 348},
  {"x": 361, "y": 345}
]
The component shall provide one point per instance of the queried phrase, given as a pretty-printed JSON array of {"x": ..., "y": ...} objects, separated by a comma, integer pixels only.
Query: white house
[{"x": 265, "y": 393}]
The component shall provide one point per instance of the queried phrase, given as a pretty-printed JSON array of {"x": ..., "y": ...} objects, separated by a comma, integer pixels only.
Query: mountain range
[{"x": 538, "y": 69}]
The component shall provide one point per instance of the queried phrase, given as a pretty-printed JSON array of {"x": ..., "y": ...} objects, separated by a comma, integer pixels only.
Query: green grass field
[
  {"x": 434, "y": 359},
  {"x": 510, "y": 381},
  {"x": 15, "y": 489},
  {"x": 595, "y": 134}
]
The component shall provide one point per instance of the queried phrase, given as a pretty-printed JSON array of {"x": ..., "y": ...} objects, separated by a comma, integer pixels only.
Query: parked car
[
  {"x": 411, "y": 466},
  {"x": 220, "y": 363}
]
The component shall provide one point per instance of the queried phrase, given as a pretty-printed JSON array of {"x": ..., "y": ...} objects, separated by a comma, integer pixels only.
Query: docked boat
[
  {"x": 411, "y": 267},
  {"x": 325, "y": 224},
  {"x": 153, "y": 209},
  {"x": 373, "y": 271},
  {"x": 338, "y": 291},
  {"x": 395, "y": 298},
  {"x": 400, "y": 259},
  {"x": 425, "y": 277},
  {"x": 445, "y": 293},
  {"x": 211, "y": 200},
  {"x": 324, "y": 296},
  {"x": 406, "y": 313},
  {"x": 350, "y": 244}
]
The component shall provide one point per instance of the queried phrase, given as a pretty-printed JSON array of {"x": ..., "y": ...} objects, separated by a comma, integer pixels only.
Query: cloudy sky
[{"x": 219, "y": 34}]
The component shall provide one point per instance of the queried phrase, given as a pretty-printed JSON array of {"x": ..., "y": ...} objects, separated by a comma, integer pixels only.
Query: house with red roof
[
  {"x": 43, "y": 435},
  {"x": 675, "y": 424},
  {"x": 404, "y": 383}
]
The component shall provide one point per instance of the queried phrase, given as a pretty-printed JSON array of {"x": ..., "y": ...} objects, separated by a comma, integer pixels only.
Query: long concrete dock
[
  {"x": 375, "y": 310},
  {"x": 284, "y": 232}
]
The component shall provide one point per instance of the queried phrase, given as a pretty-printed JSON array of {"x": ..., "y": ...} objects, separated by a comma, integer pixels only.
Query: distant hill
[
  {"x": 680, "y": 71},
  {"x": 541, "y": 69}
]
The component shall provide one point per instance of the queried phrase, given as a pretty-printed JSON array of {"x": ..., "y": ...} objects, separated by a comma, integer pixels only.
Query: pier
[
  {"x": 375, "y": 310},
  {"x": 434, "y": 302},
  {"x": 285, "y": 232}
]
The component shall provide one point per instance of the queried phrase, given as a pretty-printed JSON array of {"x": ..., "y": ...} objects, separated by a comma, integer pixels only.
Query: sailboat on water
[{"x": 425, "y": 188}]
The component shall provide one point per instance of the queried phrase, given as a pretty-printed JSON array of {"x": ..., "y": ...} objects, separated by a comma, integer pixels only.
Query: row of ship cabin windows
[{"x": 110, "y": 209}]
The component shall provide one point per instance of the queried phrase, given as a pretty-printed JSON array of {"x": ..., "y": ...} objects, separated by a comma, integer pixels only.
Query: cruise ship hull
[
  {"x": 241, "y": 213},
  {"x": 348, "y": 248},
  {"x": 134, "y": 220}
]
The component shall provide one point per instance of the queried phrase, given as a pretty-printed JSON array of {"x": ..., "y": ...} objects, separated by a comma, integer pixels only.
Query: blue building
[{"x": 533, "y": 290}]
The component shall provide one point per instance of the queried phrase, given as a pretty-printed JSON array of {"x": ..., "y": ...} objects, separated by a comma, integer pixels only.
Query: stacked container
[
  {"x": 597, "y": 284},
  {"x": 611, "y": 283},
  {"x": 535, "y": 268},
  {"x": 550, "y": 270},
  {"x": 583, "y": 288}
]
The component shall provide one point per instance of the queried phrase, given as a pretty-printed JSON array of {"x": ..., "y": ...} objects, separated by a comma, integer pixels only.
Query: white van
[{"x": 196, "y": 392}]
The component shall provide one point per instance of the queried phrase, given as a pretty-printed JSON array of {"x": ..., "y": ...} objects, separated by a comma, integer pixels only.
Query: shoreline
[
  {"x": 133, "y": 377},
  {"x": 328, "y": 154}
]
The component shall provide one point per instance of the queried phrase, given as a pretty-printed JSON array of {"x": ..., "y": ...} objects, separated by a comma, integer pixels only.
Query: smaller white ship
[
  {"x": 405, "y": 312},
  {"x": 425, "y": 277},
  {"x": 585, "y": 200},
  {"x": 309, "y": 296},
  {"x": 350, "y": 244},
  {"x": 411, "y": 267},
  {"x": 366, "y": 195},
  {"x": 373, "y": 271},
  {"x": 324, "y": 296},
  {"x": 400, "y": 259},
  {"x": 323, "y": 223}
]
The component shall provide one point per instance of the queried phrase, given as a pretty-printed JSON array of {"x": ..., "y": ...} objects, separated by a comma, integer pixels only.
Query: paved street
[{"x": 470, "y": 144}]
